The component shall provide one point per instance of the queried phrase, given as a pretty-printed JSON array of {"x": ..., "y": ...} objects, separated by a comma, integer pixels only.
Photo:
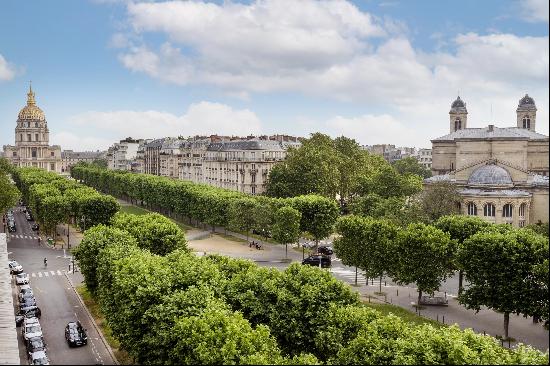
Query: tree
[
  {"x": 287, "y": 226},
  {"x": 9, "y": 194},
  {"x": 318, "y": 215},
  {"x": 539, "y": 228},
  {"x": 460, "y": 228},
  {"x": 410, "y": 165},
  {"x": 348, "y": 246},
  {"x": 423, "y": 255},
  {"x": 241, "y": 214},
  {"x": 440, "y": 199},
  {"x": 500, "y": 270},
  {"x": 88, "y": 251}
]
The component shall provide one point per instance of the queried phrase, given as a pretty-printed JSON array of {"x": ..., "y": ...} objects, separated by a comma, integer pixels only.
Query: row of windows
[{"x": 489, "y": 210}]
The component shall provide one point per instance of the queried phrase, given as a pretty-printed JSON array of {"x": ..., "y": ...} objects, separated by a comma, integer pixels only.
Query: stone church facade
[
  {"x": 501, "y": 172},
  {"x": 32, "y": 138}
]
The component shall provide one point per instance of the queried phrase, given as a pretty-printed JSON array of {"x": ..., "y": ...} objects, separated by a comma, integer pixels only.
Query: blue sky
[{"x": 378, "y": 71}]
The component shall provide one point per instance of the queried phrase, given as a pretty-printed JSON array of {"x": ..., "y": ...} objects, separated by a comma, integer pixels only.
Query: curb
[{"x": 93, "y": 322}]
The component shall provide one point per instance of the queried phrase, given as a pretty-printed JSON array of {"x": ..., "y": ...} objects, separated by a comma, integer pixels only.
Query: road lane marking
[
  {"x": 58, "y": 272},
  {"x": 46, "y": 274},
  {"x": 39, "y": 274},
  {"x": 53, "y": 273},
  {"x": 33, "y": 275}
]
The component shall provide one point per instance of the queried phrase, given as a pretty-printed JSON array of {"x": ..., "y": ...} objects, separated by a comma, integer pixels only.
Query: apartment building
[
  {"x": 69, "y": 158},
  {"x": 121, "y": 154}
]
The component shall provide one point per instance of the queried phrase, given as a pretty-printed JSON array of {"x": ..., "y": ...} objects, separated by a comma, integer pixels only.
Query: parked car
[
  {"x": 22, "y": 279},
  {"x": 75, "y": 334},
  {"x": 39, "y": 358},
  {"x": 27, "y": 303},
  {"x": 28, "y": 215},
  {"x": 31, "y": 312},
  {"x": 31, "y": 330},
  {"x": 315, "y": 259},
  {"x": 35, "y": 226},
  {"x": 35, "y": 344},
  {"x": 325, "y": 249},
  {"x": 25, "y": 291},
  {"x": 11, "y": 226},
  {"x": 15, "y": 267}
]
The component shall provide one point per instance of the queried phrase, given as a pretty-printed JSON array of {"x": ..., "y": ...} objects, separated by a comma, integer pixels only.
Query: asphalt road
[{"x": 56, "y": 298}]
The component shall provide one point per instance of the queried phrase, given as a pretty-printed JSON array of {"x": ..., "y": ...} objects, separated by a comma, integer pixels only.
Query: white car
[
  {"x": 22, "y": 279},
  {"x": 31, "y": 330},
  {"x": 15, "y": 267},
  {"x": 39, "y": 358}
]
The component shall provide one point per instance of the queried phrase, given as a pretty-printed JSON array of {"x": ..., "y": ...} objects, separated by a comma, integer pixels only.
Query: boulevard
[{"x": 56, "y": 298}]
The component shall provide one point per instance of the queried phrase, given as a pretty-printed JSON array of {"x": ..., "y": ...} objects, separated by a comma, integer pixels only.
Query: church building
[
  {"x": 32, "y": 140},
  {"x": 501, "y": 172}
]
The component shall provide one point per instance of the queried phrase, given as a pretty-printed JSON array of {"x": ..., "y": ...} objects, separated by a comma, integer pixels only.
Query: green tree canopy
[{"x": 410, "y": 165}]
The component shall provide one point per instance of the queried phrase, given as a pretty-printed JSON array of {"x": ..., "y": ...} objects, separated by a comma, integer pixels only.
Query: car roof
[
  {"x": 25, "y": 287},
  {"x": 38, "y": 354}
]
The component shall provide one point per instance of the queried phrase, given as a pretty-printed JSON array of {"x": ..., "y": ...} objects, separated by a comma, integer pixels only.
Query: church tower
[
  {"x": 458, "y": 115},
  {"x": 526, "y": 113}
]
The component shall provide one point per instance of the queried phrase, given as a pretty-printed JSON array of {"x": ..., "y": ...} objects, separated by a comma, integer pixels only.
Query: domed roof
[
  {"x": 31, "y": 112},
  {"x": 490, "y": 174},
  {"x": 527, "y": 104},
  {"x": 526, "y": 100},
  {"x": 458, "y": 106}
]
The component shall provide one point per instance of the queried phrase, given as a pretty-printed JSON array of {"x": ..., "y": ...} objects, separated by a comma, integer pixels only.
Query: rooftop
[{"x": 494, "y": 132}]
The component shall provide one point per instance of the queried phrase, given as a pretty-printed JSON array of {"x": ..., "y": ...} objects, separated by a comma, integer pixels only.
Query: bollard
[
  {"x": 397, "y": 292},
  {"x": 369, "y": 299},
  {"x": 384, "y": 283},
  {"x": 484, "y": 333},
  {"x": 443, "y": 319},
  {"x": 508, "y": 342}
]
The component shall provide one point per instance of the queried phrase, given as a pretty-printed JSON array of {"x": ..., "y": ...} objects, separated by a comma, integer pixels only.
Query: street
[{"x": 55, "y": 297}]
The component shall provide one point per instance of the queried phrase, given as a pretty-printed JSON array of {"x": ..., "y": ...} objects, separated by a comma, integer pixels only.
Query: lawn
[
  {"x": 404, "y": 314},
  {"x": 121, "y": 355}
]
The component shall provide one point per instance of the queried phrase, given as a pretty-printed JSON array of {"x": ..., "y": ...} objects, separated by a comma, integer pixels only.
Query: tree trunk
[
  {"x": 355, "y": 276},
  {"x": 419, "y": 297},
  {"x": 246, "y": 235},
  {"x": 380, "y": 286},
  {"x": 460, "y": 278},
  {"x": 286, "y": 250},
  {"x": 506, "y": 324}
]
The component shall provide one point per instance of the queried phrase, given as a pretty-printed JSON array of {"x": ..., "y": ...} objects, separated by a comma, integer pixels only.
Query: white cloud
[
  {"x": 535, "y": 10},
  {"x": 204, "y": 118},
  {"x": 70, "y": 141},
  {"x": 7, "y": 71},
  {"x": 325, "y": 49}
]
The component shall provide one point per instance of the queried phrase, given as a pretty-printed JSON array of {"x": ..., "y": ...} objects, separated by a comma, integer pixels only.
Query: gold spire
[{"x": 30, "y": 95}]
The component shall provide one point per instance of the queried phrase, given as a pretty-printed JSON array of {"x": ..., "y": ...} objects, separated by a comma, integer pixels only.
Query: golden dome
[{"x": 31, "y": 112}]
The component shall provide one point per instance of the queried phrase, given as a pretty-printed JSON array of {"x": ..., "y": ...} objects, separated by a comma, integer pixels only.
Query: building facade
[
  {"x": 69, "y": 158},
  {"x": 501, "y": 172},
  {"x": 32, "y": 138},
  {"x": 121, "y": 155}
]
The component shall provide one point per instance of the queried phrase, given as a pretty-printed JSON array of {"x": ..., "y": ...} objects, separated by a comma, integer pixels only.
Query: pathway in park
[{"x": 273, "y": 255}]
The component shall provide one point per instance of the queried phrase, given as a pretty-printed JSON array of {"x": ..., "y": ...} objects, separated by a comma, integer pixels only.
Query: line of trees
[
  {"x": 9, "y": 194},
  {"x": 213, "y": 206},
  {"x": 506, "y": 268},
  {"x": 54, "y": 199},
  {"x": 178, "y": 308}
]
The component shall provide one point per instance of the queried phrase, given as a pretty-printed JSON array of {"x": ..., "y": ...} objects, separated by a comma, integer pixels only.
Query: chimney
[{"x": 491, "y": 127}]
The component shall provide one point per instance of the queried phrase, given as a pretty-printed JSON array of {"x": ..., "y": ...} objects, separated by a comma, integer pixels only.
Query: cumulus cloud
[
  {"x": 332, "y": 49},
  {"x": 535, "y": 10},
  {"x": 78, "y": 142},
  {"x": 204, "y": 118},
  {"x": 7, "y": 71}
]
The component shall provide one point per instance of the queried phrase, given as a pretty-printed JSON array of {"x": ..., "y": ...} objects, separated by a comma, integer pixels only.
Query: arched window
[
  {"x": 35, "y": 124},
  {"x": 522, "y": 210},
  {"x": 489, "y": 210},
  {"x": 507, "y": 210},
  {"x": 472, "y": 209},
  {"x": 458, "y": 124},
  {"x": 526, "y": 122}
]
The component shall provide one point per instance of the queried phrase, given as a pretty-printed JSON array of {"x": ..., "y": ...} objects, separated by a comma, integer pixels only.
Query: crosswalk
[
  {"x": 23, "y": 236},
  {"x": 349, "y": 276},
  {"x": 44, "y": 274}
]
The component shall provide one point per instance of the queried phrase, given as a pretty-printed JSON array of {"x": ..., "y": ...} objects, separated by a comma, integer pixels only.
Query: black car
[
  {"x": 75, "y": 334},
  {"x": 315, "y": 259},
  {"x": 30, "y": 312},
  {"x": 11, "y": 227},
  {"x": 35, "y": 226},
  {"x": 325, "y": 249},
  {"x": 36, "y": 344}
]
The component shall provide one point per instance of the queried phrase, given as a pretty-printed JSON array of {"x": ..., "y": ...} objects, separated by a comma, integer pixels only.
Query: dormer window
[{"x": 458, "y": 124}]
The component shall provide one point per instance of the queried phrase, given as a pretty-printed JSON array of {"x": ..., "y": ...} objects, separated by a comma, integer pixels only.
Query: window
[
  {"x": 52, "y": 166},
  {"x": 36, "y": 137},
  {"x": 458, "y": 124},
  {"x": 489, "y": 210},
  {"x": 35, "y": 124},
  {"x": 52, "y": 153},
  {"x": 20, "y": 137},
  {"x": 33, "y": 152},
  {"x": 522, "y": 210},
  {"x": 15, "y": 153},
  {"x": 472, "y": 209},
  {"x": 29, "y": 137},
  {"x": 253, "y": 190},
  {"x": 507, "y": 210},
  {"x": 253, "y": 178},
  {"x": 526, "y": 122}
]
